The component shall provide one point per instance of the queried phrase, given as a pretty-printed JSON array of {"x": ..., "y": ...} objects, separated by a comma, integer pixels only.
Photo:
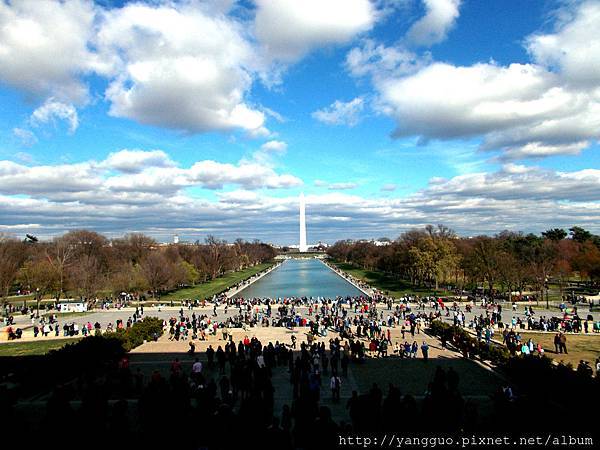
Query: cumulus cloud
[
  {"x": 522, "y": 182},
  {"x": 134, "y": 175},
  {"x": 179, "y": 66},
  {"x": 433, "y": 27},
  {"x": 537, "y": 150},
  {"x": 41, "y": 58},
  {"x": 47, "y": 179},
  {"x": 574, "y": 47},
  {"x": 341, "y": 113},
  {"x": 274, "y": 147},
  {"x": 251, "y": 175},
  {"x": 133, "y": 161},
  {"x": 523, "y": 110},
  {"x": 52, "y": 110},
  {"x": 288, "y": 29},
  {"x": 516, "y": 197},
  {"x": 186, "y": 65}
]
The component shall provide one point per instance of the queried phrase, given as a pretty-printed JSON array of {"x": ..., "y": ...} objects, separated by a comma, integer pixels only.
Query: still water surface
[{"x": 300, "y": 278}]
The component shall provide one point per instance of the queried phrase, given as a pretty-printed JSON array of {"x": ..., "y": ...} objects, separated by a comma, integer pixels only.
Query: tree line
[
  {"x": 84, "y": 263},
  {"x": 504, "y": 263}
]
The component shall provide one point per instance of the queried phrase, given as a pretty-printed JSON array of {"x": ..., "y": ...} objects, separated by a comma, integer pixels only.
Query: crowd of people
[
  {"x": 48, "y": 325},
  {"x": 228, "y": 394}
]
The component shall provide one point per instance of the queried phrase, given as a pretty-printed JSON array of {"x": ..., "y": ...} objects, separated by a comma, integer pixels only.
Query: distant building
[
  {"x": 71, "y": 305},
  {"x": 381, "y": 243},
  {"x": 176, "y": 239}
]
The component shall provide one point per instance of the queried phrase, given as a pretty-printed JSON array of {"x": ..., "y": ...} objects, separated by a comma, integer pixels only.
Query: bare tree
[
  {"x": 86, "y": 277},
  {"x": 42, "y": 277},
  {"x": 157, "y": 271},
  {"x": 12, "y": 256}
]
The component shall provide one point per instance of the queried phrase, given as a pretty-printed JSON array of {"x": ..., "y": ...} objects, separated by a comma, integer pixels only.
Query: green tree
[
  {"x": 555, "y": 234},
  {"x": 580, "y": 235}
]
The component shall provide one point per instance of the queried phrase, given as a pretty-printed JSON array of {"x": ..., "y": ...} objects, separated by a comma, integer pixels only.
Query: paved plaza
[{"x": 104, "y": 317}]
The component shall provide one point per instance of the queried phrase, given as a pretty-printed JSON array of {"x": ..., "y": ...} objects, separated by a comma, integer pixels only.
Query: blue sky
[{"x": 199, "y": 117}]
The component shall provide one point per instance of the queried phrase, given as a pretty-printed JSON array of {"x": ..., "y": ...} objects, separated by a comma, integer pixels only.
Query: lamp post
[
  {"x": 37, "y": 301},
  {"x": 547, "y": 296}
]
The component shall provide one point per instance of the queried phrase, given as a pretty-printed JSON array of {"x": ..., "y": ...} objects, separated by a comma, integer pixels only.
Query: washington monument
[{"x": 302, "y": 247}]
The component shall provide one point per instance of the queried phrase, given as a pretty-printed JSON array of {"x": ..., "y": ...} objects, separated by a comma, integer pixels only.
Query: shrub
[
  {"x": 139, "y": 332},
  {"x": 462, "y": 339}
]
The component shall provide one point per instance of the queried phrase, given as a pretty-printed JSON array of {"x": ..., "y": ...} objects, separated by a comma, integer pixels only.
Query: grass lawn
[
  {"x": 207, "y": 290},
  {"x": 31, "y": 348},
  {"x": 386, "y": 283},
  {"x": 580, "y": 347},
  {"x": 412, "y": 376}
]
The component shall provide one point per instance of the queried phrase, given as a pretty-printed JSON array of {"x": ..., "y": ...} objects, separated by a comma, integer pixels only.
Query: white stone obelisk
[{"x": 302, "y": 247}]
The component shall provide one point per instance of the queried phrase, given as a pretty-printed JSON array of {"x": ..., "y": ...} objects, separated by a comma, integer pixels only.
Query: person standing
[
  {"x": 425, "y": 351},
  {"x": 196, "y": 370},
  {"x": 563, "y": 343},
  {"x": 556, "y": 342},
  {"x": 414, "y": 349},
  {"x": 336, "y": 384}
]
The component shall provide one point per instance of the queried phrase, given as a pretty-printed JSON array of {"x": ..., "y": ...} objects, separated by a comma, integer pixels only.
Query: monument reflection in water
[{"x": 300, "y": 278}]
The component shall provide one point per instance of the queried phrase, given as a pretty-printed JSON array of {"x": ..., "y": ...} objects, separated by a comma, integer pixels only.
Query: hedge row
[
  {"x": 469, "y": 345},
  {"x": 534, "y": 374},
  {"x": 133, "y": 337},
  {"x": 92, "y": 356}
]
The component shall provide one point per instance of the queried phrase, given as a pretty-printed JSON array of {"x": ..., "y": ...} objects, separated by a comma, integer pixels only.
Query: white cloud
[
  {"x": 288, "y": 29},
  {"x": 140, "y": 176},
  {"x": 44, "y": 47},
  {"x": 439, "y": 18},
  {"x": 536, "y": 150},
  {"x": 574, "y": 48},
  {"x": 341, "y": 113},
  {"x": 26, "y": 137},
  {"x": 51, "y": 110},
  {"x": 378, "y": 60},
  {"x": 522, "y": 110},
  {"x": 389, "y": 187},
  {"x": 342, "y": 186},
  {"x": 47, "y": 179},
  {"x": 516, "y": 197},
  {"x": 251, "y": 175},
  {"x": 274, "y": 147},
  {"x": 181, "y": 67},
  {"x": 133, "y": 161},
  {"x": 521, "y": 182}
]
